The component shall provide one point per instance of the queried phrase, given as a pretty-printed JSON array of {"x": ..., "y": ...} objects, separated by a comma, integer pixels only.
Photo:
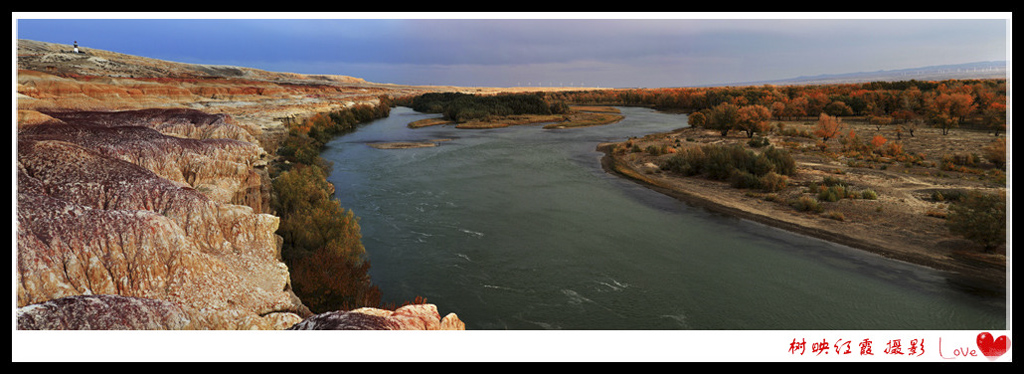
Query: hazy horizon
[{"x": 509, "y": 52}]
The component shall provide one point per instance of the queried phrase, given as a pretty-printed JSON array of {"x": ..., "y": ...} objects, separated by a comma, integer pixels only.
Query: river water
[{"x": 519, "y": 228}]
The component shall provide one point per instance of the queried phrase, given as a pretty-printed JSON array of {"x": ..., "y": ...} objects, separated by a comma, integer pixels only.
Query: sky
[{"x": 538, "y": 49}]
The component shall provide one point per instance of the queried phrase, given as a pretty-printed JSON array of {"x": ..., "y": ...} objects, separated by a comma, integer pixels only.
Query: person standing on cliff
[{"x": 76, "y": 47}]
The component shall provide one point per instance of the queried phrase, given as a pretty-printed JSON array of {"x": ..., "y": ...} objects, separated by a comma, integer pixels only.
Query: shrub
[
  {"x": 832, "y": 193},
  {"x": 655, "y": 150},
  {"x": 773, "y": 182},
  {"x": 869, "y": 194},
  {"x": 893, "y": 149},
  {"x": 758, "y": 142},
  {"x": 781, "y": 160},
  {"x": 833, "y": 181},
  {"x": 980, "y": 218},
  {"x": 741, "y": 167},
  {"x": 719, "y": 161},
  {"x": 948, "y": 195},
  {"x": 743, "y": 179},
  {"x": 961, "y": 159},
  {"x": 836, "y": 215},
  {"x": 996, "y": 153},
  {"x": 806, "y": 204}
]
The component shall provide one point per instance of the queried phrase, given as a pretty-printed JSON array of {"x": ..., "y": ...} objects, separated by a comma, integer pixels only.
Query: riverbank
[{"x": 902, "y": 223}]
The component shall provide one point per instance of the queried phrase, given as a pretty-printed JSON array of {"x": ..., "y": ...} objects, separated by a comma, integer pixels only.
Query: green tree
[{"x": 723, "y": 117}]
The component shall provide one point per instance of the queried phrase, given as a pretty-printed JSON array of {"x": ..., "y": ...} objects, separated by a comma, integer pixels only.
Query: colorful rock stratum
[{"x": 143, "y": 195}]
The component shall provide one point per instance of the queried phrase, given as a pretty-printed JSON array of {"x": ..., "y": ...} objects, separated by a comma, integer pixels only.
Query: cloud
[{"x": 607, "y": 52}]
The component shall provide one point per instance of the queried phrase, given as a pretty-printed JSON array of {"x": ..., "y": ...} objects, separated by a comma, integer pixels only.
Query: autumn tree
[
  {"x": 697, "y": 119},
  {"x": 327, "y": 282},
  {"x": 947, "y": 110},
  {"x": 796, "y": 108},
  {"x": 816, "y": 102},
  {"x": 993, "y": 117},
  {"x": 778, "y": 109},
  {"x": 753, "y": 118},
  {"x": 828, "y": 127},
  {"x": 838, "y": 108}
]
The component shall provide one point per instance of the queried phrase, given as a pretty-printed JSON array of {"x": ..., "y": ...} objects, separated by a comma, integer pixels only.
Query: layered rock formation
[
  {"x": 91, "y": 223},
  {"x": 137, "y": 211},
  {"x": 102, "y": 312}
]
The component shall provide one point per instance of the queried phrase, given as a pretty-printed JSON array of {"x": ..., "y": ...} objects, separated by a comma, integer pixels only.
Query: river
[{"x": 519, "y": 228}]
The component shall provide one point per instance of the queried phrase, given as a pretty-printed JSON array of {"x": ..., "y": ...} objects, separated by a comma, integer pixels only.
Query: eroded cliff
[
  {"x": 90, "y": 223},
  {"x": 137, "y": 210}
]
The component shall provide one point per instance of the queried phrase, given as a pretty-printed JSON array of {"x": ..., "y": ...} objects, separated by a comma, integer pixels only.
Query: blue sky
[{"x": 565, "y": 49}]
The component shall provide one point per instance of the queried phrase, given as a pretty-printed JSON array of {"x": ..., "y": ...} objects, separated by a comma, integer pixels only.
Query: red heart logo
[{"x": 992, "y": 348}]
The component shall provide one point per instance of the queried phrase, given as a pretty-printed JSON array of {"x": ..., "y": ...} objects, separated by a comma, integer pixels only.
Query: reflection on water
[{"x": 519, "y": 228}]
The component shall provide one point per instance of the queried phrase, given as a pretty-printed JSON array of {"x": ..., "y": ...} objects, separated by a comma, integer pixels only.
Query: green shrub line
[
  {"x": 321, "y": 243},
  {"x": 460, "y": 107},
  {"x": 832, "y": 189},
  {"x": 742, "y": 168}
]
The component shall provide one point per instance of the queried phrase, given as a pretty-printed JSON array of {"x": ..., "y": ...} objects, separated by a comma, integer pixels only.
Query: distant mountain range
[{"x": 975, "y": 70}]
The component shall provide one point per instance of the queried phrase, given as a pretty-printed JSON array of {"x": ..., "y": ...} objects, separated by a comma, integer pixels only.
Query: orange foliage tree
[
  {"x": 948, "y": 110},
  {"x": 828, "y": 127},
  {"x": 753, "y": 118}
]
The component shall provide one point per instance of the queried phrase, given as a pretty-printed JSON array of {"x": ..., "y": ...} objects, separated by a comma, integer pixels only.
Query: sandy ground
[{"x": 903, "y": 223}]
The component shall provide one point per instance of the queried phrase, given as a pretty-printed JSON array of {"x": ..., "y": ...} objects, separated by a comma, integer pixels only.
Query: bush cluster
[
  {"x": 832, "y": 189},
  {"x": 743, "y": 168},
  {"x": 980, "y": 218}
]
